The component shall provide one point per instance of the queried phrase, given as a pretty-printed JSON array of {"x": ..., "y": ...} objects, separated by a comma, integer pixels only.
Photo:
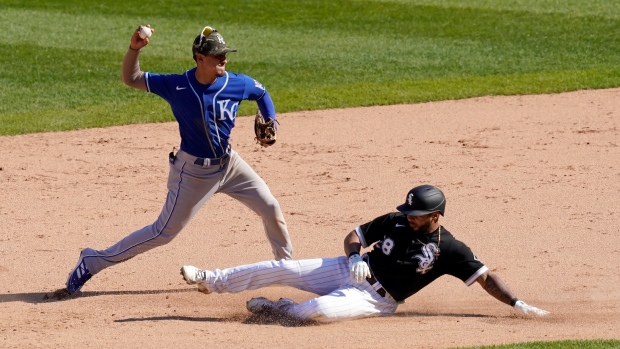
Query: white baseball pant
[{"x": 340, "y": 297}]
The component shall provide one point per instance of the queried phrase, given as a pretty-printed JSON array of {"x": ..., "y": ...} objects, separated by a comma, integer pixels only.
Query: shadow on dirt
[
  {"x": 421, "y": 314},
  {"x": 174, "y": 318},
  {"x": 253, "y": 319},
  {"x": 63, "y": 295}
]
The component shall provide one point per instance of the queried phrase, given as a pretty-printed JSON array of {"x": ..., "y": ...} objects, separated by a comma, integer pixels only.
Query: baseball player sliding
[
  {"x": 411, "y": 250},
  {"x": 204, "y": 101}
]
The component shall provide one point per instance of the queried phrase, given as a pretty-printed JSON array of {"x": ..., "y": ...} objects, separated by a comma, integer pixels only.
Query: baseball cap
[
  {"x": 422, "y": 200},
  {"x": 210, "y": 42}
]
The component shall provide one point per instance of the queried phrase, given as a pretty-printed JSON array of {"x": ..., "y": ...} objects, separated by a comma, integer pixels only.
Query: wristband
[
  {"x": 133, "y": 49},
  {"x": 513, "y": 301}
]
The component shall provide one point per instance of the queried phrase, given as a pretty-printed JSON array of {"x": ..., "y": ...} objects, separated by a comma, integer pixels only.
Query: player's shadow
[
  {"x": 175, "y": 318},
  {"x": 63, "y": 295},
  {"x": 422, "y": 314},
  {"x": 283, "y": 320},
  {"x": 253, "y": 319}
]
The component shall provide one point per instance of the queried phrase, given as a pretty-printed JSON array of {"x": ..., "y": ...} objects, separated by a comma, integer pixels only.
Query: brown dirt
[{"x": 533, "y": 187}]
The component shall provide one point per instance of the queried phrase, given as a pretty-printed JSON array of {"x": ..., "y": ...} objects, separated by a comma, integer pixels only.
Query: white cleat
[{"x": 195, "y": 276}]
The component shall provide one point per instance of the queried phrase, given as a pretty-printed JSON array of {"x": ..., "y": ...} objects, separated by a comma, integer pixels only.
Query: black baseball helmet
[{"x": 422, "y": 200}]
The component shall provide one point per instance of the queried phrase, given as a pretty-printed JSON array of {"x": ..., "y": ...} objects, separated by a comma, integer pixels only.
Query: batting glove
[
  {"x": 526, "y": 309},
  {"x": 359, "y": 268}
]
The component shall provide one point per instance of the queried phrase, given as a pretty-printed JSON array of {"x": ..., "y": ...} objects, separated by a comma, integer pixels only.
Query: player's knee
[
  {"x": 272, "y": 208},
  {"x": 166, "y": 234},
  {"x": 320, "y": 310}
]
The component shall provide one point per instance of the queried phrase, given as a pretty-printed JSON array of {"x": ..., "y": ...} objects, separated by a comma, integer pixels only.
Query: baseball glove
[{"x": 265, "y": 131}]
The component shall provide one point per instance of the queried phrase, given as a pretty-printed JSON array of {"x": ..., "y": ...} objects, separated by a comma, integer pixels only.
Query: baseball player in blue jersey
[
  {"x": 410, "y": 249},
  {"x": 204, "y": 101}
]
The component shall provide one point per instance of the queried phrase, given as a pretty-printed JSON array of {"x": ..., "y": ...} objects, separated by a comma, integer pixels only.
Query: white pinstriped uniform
[
  {"x": 339, "y": 297},
  {"x": 401, "y": 261}
]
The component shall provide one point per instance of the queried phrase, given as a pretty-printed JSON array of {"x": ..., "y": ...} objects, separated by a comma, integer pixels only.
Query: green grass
[
  {"x": 60, "y": 60},
  {"x": 574, "y": 344}
]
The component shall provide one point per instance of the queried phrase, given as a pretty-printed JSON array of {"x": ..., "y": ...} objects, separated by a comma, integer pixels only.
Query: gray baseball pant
[{"x": 189, "y": 187}]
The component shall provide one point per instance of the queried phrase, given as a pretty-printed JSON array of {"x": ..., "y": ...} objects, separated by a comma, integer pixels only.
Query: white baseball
[{"x": 145, "y": 32}]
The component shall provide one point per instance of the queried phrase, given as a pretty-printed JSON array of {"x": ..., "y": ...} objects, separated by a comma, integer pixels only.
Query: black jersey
[{"x": 404, "y": 262}]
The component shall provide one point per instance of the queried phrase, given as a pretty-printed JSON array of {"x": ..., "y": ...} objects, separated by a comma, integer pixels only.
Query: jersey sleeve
[
  {"x": 372, "y": 231},
  {"x": 464, "y": 264},
  {"x": 158, "y": 84},
  {"x": 254, "y": 90},
  {"x": 266, "y": 107}
]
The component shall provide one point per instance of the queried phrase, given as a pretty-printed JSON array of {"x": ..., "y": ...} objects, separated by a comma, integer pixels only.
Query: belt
[
  {"x": 372, "y": 281},
  {"x": 206, "y": 162}
]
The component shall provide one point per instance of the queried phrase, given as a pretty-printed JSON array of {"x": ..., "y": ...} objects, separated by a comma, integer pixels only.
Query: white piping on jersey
[
  {"x": 217, "y": 131},
  {"x": 360, "y": 235},
  {"x": 146, "y": 78},
  {"x": 473, "y": 278},
  {"x": 202, "y": 111},
  {"x": 261, "y": 96}
]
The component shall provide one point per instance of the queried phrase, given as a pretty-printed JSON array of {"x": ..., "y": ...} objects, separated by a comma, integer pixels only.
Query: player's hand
[
  {"x": 359, "y": 269},
  {"x": 136, "y": 41},
  {"x": 529, "y": 310}
]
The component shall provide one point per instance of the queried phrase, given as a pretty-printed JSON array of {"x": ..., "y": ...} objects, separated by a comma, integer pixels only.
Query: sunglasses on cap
[{"x": 205, "y": 32}]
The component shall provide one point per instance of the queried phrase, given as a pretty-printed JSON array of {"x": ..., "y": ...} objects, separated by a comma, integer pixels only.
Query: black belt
[
  {"x": 371, "y": 280},
  {"x": 211, "y": 162}
]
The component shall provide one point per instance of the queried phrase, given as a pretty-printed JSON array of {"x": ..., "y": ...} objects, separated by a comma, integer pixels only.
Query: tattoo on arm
[{"x": 497, "y": 288}]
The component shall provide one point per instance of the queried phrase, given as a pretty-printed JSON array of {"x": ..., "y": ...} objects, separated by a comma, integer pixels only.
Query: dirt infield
[{"x": 532, "y": 183}]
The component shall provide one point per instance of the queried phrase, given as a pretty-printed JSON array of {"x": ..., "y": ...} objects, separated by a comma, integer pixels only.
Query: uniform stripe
[
  {"x": 217, "y": 131},
  {"x": 477, "y": 274},
  {"x": 339, "y": 298},
  {"x": 202, "y": 111},
  {"x": 176, "y": 198},
  {"x": 360, "y": 235},
  {"x": 146, "y": 77}
]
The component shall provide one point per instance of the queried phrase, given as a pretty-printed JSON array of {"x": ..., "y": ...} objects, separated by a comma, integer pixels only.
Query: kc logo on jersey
[{"x": 227, "y": 110}]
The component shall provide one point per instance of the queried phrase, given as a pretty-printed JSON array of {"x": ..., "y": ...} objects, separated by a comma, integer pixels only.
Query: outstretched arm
[
  {"x": 131, "y": 74},
  {"x": 494, "y": 286}
]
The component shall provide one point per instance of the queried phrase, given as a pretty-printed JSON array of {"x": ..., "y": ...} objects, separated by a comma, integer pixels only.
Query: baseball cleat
[
  {"x": 195, "y": 276},
  {"x": 260, "y": 305},
  {"x": 263, "y": 305},
  {"x": 78, "y": 277},
  {"x": 283, "y": 302}
]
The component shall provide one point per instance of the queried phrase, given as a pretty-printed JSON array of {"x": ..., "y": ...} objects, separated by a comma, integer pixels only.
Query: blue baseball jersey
[{"x": 206, "y": 113}]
